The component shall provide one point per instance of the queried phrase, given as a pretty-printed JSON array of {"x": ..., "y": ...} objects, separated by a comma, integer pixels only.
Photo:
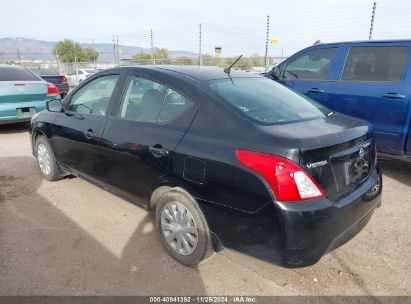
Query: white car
[{"x": 81, "y": 75}]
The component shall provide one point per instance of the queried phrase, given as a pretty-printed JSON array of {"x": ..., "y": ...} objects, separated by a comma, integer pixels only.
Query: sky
[{"x": 239, "y": 27}]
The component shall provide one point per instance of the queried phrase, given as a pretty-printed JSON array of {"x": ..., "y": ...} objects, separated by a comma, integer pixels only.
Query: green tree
[
  {"x": 91, "y": 54},
  {"x": 257, "y": 60},
  {"x": 68, "y": 50},
  {"x": 208, "y": 59},
  {"x": 160, "y": 53},
  {"x": 243, "y": 63},
  {"x": 184, "y": 61},
  {"x": 142, "y": 56},
  {"x": 156, "y": 54}
]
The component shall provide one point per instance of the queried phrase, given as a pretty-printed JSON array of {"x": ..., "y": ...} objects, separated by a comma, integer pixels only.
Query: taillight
[
  {"x": 52, "y": 89},
  {"x": 65, "y": 79},
  {"x": 288, "y": 181}
]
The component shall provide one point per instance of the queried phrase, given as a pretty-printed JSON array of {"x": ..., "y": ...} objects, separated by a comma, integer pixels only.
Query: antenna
[{"x": 228, "y": 70}]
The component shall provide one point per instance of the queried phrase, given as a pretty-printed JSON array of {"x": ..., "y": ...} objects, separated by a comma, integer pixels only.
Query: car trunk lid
[
  {"x": 56, "y": 79},
  {"x": 340, "y": 168},
  {"x": 338, "y": 151},
  {"x": 22, "y": 91}
]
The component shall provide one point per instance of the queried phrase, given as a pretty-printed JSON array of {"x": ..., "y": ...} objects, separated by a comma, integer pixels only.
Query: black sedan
[{"x": 222, "y": 158}]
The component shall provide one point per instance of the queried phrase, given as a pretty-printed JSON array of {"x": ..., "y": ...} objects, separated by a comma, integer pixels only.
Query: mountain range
[{"x": 32, "y": 49}]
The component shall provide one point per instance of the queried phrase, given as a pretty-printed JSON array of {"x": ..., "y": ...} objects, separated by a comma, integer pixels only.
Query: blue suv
[{"x": 369, "y": 80}]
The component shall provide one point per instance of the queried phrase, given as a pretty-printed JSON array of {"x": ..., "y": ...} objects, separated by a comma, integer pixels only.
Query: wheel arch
[
  {"x": 37, "y": 132},
  {"x": 166, "y": 184}
]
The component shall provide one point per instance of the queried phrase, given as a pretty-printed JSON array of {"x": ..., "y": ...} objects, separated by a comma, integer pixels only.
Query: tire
[
  {"x": 197, "y": 245},
  {"x": 46, "y": 160}
]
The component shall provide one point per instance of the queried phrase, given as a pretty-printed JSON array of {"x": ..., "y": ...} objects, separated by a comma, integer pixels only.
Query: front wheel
[
  {"x": 46, "y": 160},
  {"x": 182, "y": 227}
]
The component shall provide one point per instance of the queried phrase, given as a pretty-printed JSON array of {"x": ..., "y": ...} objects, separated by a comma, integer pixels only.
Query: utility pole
[
  {"x": 152, "y": 45},
  {"x": 57, "y": 61},
  {"x": 94, "y": 54},
  {"x": 200, "y": 59},
  {"x": 41, "y": 51},
  {"x": 374, "y": 8},
  {"x": 118, "y": 52},
  {"x": 114, "y": 49},
  {"x": 19, "y": 56},
  {"x": 266, "y": 44},
  {"x": 75, "y": 62}
]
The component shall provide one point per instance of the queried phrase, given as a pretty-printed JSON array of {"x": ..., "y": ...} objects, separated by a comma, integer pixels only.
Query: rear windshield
[
  {"x": 265, "y": 101},
  {"x": 16, "y": 74},
  {"x": 45, "y": 72}
]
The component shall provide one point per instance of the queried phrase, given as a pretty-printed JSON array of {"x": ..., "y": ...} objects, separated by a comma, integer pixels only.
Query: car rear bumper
[
  {"x": 63, "y": 87},
  {"x": 312, "y": 229},
  {"x": 294, "y": 234},
  {"x": 13, "y": 113}
]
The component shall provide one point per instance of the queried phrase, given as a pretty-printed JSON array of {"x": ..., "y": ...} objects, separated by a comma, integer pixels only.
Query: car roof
[
  {"x": 366, "y": 41},
  {"x": 198, "y": 73}
]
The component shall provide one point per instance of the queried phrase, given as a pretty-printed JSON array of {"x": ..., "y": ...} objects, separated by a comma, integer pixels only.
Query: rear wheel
[
  {"x": 46, "y": 160},
  {"x": 182, "y": 227}
]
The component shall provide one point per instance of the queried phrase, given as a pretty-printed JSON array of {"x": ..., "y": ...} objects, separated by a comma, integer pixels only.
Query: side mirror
[
  {"x": 54, "y": 105},
  {"x": 275, "y": 73}
]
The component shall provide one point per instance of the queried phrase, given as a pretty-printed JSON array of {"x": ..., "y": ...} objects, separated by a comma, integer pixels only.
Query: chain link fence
[{"x": 253, "y": 64}]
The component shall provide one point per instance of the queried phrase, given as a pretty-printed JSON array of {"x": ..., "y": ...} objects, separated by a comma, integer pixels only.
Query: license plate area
[
  {"x": 351, "y": 167},
  {"x": 26, "y": 112}
]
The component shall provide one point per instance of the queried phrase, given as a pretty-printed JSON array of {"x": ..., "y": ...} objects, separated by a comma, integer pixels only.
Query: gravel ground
[{"x": 72, "y": 238}]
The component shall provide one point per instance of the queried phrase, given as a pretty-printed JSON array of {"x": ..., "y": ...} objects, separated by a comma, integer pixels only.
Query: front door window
[
  {"x": 95, "y": 96},
  {"x": 312, "y": 65}
]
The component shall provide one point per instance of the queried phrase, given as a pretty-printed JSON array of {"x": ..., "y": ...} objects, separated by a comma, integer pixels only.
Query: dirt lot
[{"x": 71, "y": 238}]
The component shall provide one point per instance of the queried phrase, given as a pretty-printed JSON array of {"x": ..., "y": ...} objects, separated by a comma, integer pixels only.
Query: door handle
[
  {"x": 158, "y": 150},
  {"x": 90, "y": 134},
  {"x": 315, "y": 90},
  {"x": 394, "y": 96}
]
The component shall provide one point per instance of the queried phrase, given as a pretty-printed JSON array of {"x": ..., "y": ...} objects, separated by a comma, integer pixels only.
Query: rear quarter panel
[{"x": 205, "y": 158}]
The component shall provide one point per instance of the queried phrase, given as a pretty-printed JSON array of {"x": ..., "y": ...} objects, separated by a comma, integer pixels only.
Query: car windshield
[
  {"x": 266, "y": 101},
  {"x": 90, "y": 71}
]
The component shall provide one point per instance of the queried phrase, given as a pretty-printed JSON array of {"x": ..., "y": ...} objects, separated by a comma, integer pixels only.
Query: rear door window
[
  {"x": 174, "y": 105},
  {"x": 143, "y": 99},
  {"x": 147, "y": 100},
  {"x": 377, "y": 63},
  {"x": 312, "y": 65}
]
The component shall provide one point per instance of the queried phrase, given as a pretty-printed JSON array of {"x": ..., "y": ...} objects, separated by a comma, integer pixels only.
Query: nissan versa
[{"x": 223, "y": 158}]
